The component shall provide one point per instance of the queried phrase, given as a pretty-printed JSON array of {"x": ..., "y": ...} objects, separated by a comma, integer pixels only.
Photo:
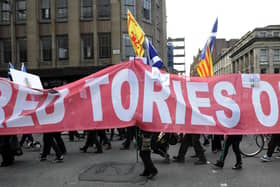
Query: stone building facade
[{"x": 64, "y": 40}]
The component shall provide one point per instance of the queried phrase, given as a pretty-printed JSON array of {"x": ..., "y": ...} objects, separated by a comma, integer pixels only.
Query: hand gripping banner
[{"x": 132, "y": 93}]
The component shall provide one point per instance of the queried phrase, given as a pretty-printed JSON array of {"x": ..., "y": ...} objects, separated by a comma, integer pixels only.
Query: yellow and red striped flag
[
  {"x": 136, "y": 34},
  {"x": 205, "y": 64}
]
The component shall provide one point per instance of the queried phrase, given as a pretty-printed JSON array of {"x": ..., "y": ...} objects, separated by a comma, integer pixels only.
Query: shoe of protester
[
  {"x": 98, "y": 151},
  {"x": 178, "y": 159},
  {"x": 200, "y": 162},
  {"x": 124, "y": 148},
  {"x": 152, "y": 175},
  {"x": 6, "y": 163},
  {"x": 277, "y": 157},
  {"x": 194, "y": 156},
  {"x": 83, "y": 149},
  {"x": 59, "y": 159},
  {"x": 144, "y": 174},
  {"x": 219, "y": 164},
  {"x": 237, "y": 167},
  {"x": 43, "y": 158},
  {"x": 266, "y": 158}
]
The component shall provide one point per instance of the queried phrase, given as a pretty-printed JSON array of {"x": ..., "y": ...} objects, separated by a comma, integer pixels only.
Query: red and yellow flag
[
  {"x": 136, "y": 34},
  {"x": 205, "y": 66}
]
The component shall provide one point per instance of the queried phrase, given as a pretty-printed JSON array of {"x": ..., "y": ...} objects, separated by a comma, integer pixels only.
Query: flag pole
[{"x": 136, "y": 133}]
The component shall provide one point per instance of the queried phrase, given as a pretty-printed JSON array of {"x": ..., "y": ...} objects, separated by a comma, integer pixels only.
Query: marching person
[
  {"x": 145, "y": 153},
  {"x": 191, "y": 140},
  {"x": 48, "y": 143},
  {"x": 6, "y": 151},
  {"x": 92, "y": 139},
  {"x": 273, "y": 143},
  {"x": 233, "y": 140}
]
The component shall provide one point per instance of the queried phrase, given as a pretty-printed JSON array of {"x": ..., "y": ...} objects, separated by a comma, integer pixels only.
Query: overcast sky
[{"x": 193, "y": 19}]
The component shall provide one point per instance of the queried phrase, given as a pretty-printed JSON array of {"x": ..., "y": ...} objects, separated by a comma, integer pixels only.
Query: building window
[
  {"x": 86, "y": 46},
  {"x": 128, "y": 4},
  {"x": 276, "y": 70},
  {"x": 20, "y": 10},
  {"x": 5, "y": 12},
  {"x": 147, "y": 10},
  {"x": 276, "y": 55},
  {"x": 263, "y": 55},
  {"x": 262, "y": 34},
  {"x": 276, "y": 34},
  {"x": 127, "y": 48},
  {"x": 263, "y": 71},
  {"x": 45, "y": 10},
  {"x": 103, "y": 9},
  {"x": 86, "y": 9},
  {"x": 62, "y": 47},
  {"x": 61, "y": 9},
  {"x": 6, "y": 53},
  {"x": 46, "y": 49},
  {"x": 104, "y": 43},
  {"x": 21, "y": 50}
]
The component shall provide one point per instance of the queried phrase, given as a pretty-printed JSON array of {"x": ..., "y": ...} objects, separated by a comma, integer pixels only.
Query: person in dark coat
[
  {"x": 6, "y": 151},
  {"x": 191, "y": 140},
  {"x": 233, "y": 140},
  {"x": 92, "y": 139},
  {"x": 48, "y": 143},
  {"x": 145, "y": 153}
]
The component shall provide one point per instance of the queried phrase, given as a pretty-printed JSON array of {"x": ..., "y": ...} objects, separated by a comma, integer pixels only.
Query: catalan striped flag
[
  {"x": 205, "y": 64},
  {"x": 136, "y": 35}
]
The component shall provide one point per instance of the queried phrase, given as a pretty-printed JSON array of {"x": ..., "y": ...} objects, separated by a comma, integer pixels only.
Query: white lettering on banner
[
  {"x": 94, "y": 87},
  {"x": 272, "y": 118},
  {"x": 21, "y": 105},
  {"x": 59, "y": 110},
  {"x": 180, "y": 104},
  {"x": 125, "y": 75},
  {"x": 5, "y": 96},
  {"x": 150, "y": 96},
  {"x": 227, "y": 103},
  {"x": 197, "y": 117}
]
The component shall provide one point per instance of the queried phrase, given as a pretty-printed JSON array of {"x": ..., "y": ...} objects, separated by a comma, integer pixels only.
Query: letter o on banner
[
  {"x": 271, "y": 119},
  {"x": 125, "y": 75}
]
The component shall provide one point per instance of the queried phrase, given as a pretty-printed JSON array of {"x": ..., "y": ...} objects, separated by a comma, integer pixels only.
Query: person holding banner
[
  {"x": 145, "y": 153},
  {"x": 233, "y": 140},
  {"x": 6, "y": 151},
  {"x": 191, "y": 140},
  {"x": 48, "y": 143}
]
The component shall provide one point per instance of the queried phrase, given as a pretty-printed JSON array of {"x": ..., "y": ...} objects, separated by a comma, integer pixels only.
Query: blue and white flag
[
  {"x": 153, "y": 58},
  {"x": 23, "y": 68},
  {"x": 11, "y": 66}
]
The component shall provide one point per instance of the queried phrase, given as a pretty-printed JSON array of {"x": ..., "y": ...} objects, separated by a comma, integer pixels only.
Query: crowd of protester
[{"x": 157, "y": 143}]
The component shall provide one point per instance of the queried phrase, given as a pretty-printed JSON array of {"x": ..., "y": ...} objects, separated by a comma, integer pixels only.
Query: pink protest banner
[{"x": 132, "y": 93}]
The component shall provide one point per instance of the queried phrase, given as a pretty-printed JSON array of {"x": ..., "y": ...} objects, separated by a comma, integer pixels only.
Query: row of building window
[
  {"x": 264, "y": 55},
  {"x": 62, "y": 48},
  {"x": 86, "y": 10}
]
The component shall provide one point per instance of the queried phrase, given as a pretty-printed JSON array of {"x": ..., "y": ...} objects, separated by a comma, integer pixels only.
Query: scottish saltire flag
[
  {"x": 205, "y": 64},
  {"x": 23, "y": 68},
  {"x": 153, "y": 58},
  {"x": 11, "y": 66}
]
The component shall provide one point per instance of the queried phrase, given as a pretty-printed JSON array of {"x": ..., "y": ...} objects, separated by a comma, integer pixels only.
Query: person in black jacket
[
  {"x": 6, "y": 151},
  {"x": 191, "y": 140},
  {"x": 145, "y": 153},
  {"x": 233, "y": 140},
  {"x": 48, "y": 143}
]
